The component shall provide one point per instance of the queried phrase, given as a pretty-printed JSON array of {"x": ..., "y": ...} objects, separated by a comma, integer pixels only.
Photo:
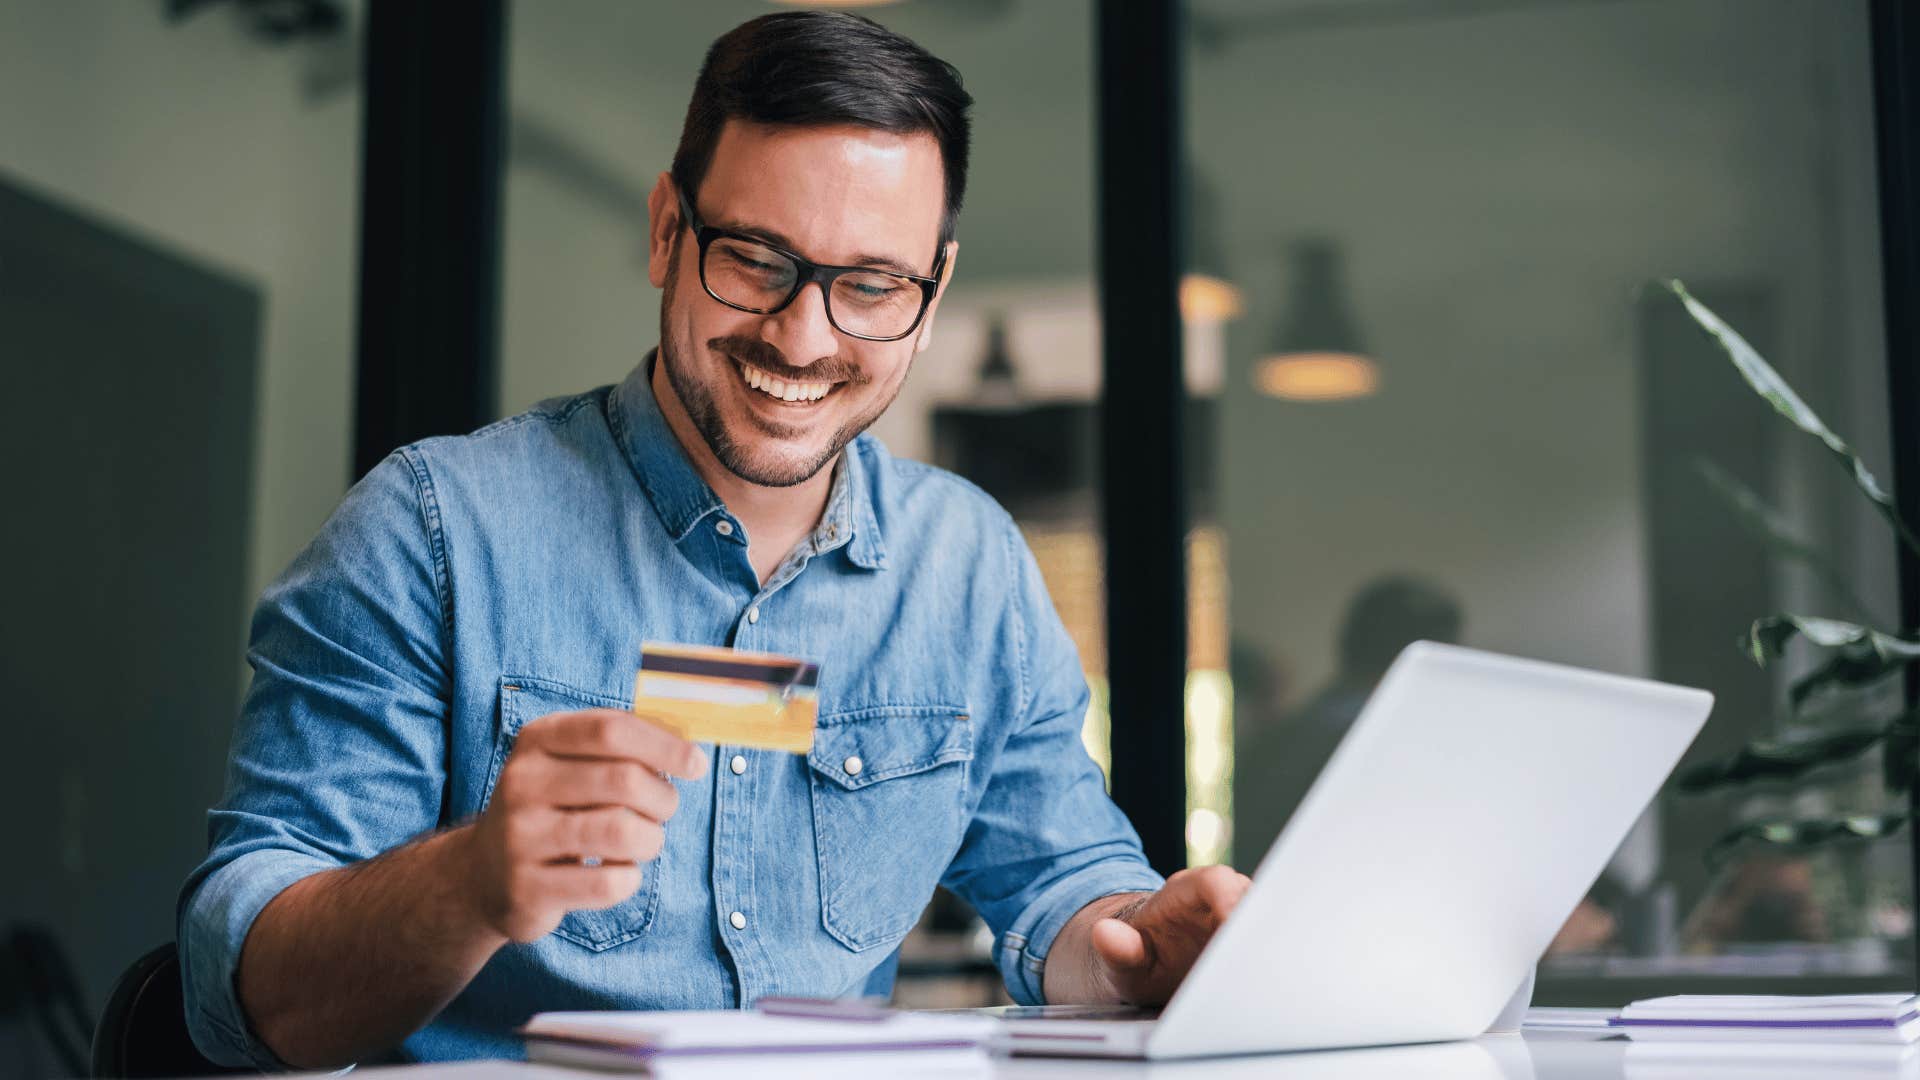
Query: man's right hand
[
  {"x": 578, "y": 785},
  {"x": 579, "y": 788}
]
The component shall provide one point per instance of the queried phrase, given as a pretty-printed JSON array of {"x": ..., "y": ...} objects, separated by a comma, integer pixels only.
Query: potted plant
[{"x": 1850, "y": 703}]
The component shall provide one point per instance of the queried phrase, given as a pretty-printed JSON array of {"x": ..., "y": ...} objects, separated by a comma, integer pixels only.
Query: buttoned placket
[{"x": 735, "y": 792}]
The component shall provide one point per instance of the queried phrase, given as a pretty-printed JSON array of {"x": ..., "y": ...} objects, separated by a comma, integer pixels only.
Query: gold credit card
[{"x": 729, "y": 697}]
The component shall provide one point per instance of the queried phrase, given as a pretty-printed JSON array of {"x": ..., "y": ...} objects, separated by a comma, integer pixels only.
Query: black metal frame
[
  {"x": 429, "y": 304},
  {"x": 1140, "y": 94},
  {"x": 1896, "y": 112}
]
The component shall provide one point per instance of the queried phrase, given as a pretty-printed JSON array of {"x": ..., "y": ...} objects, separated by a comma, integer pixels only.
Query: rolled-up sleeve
[
  {"x": 1045, "y": 839},
  {"x": 339, "y": 750}
]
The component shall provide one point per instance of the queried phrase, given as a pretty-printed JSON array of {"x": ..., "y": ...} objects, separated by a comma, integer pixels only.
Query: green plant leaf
[
  {"x": 1761, "y": 521},
  {"x": 1768, "y": 760},
  {"x": 1844, "y": 670},
  {"x": 1768, "y": 636},
  {"x": 1769, "y": 385},
  {"x": 1800, "y": 835},
  {"x": 1862, "y": 655}
]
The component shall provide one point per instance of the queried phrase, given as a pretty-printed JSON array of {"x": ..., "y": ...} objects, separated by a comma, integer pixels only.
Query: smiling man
[{"x": 440, "y": 816}]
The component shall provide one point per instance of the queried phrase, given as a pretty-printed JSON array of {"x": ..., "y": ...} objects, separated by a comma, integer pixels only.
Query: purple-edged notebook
[
  {"x": 1880, "y": 1018},
  {"x": 639, "y": 1037}
]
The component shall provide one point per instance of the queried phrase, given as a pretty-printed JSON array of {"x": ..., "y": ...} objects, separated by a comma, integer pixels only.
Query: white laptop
[{"x": 1459, "y": 822}]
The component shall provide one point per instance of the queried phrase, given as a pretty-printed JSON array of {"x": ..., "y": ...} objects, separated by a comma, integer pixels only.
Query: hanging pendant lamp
[{"x": 1317, "y": 353}]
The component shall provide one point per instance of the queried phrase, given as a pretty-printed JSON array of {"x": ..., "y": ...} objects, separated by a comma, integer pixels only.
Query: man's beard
[{"x": 697, "y": 399}]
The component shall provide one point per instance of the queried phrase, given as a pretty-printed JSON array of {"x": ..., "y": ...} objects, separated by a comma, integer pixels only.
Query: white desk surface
[{"x": 1536, "y": 1056}]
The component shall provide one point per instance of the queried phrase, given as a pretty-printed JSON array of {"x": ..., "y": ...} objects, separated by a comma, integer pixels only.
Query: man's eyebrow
[
  {"x": 779, "y": 239},
  {"x": 887, "y": 262}
]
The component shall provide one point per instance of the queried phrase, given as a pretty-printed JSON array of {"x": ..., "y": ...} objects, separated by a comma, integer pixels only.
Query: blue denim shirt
[{"x": 469, "y": 585}]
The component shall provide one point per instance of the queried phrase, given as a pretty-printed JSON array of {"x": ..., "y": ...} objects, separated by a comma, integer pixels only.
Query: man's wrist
[
  {"x": 453, "y": 857},
  {"x": 1074, "y": 972},
  {"x": 1129, "y": 904}
]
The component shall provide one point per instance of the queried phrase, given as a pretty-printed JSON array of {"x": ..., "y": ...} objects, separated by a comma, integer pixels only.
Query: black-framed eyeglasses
[{"x": 751, "y": 275}]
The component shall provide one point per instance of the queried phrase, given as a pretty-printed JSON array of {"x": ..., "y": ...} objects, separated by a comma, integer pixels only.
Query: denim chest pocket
[
  {"x": 523, "y": 700},
  {"x": 889, "y": 795}
]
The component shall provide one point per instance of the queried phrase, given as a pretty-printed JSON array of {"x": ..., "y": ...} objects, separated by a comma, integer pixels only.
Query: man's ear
[
  {"x": 663, "y": 226},
  {"x": 925, "y": 336}
]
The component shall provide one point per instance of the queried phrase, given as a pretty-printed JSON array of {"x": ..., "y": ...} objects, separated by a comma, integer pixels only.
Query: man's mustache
[{"x": 769, "y": 359}]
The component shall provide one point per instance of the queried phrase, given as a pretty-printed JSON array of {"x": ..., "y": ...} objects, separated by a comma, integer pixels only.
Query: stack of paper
[
  {"x": 724, "y": 1044},
  {"x": 1858, "y": 1018}
]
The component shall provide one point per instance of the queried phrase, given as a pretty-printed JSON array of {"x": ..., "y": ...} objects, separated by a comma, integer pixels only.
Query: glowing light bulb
[{"x": 1322, "y": 376}]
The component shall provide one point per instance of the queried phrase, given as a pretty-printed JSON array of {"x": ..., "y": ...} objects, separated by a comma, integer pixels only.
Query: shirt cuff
[
  {"x": 214, "y": 924},
  {"x": 1022, "y": 952}
]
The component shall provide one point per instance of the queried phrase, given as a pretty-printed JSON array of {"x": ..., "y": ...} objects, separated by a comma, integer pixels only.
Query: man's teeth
[{"x": 781, "y": 388}]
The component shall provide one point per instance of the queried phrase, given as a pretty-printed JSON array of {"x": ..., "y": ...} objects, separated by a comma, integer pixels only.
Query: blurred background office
[{"x": 1428, "y": 395}]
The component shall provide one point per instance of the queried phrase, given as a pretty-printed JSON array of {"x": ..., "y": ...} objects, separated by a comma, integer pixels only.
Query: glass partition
[{"x": 1451, "y": 407}]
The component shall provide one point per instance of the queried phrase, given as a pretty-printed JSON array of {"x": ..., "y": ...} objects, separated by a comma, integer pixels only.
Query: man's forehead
[{"x": 834, "y": 193}]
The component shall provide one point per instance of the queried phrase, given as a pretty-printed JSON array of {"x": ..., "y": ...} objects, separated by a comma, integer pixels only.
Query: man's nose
[{"x": 801, "y": 331}]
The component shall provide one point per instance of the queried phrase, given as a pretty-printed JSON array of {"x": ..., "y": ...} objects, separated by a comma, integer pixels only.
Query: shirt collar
[
  {"x": 683, "y": 500},
  {"x": 849, "y": 519}
]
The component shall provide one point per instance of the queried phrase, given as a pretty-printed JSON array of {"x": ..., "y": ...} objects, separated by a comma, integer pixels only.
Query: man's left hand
[{"x": 1135, "y": 949}]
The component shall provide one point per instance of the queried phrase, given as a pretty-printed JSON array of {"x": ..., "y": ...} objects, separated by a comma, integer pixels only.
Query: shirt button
[
  {"x": 753, "y": 614},
  {"x": 738, "y": 920},
  {"x": 738, "y": 764},
  {"x": 853, "y": 765},
  {"x": 724, "y": 528}
]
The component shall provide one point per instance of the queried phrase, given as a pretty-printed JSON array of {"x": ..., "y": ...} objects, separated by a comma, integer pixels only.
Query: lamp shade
[{"x": 1317, "y": 353}]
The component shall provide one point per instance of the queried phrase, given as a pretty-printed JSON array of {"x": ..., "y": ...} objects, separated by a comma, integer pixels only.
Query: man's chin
[{"x": 773, "y": 469}]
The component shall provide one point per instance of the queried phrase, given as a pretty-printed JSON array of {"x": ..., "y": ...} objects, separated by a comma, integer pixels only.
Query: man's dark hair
[{"x": 810, "y": 68}]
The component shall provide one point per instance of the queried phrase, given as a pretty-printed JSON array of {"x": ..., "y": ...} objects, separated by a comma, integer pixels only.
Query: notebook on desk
[
  {"x": 1852, "y": 1018},
  {"x": 715, "y": 1043},
  {"x": 1468, "y": 809}
]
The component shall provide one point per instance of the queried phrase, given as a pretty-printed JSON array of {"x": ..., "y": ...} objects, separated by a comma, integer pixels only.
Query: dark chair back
[{"x": 143, "y": 1029}]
